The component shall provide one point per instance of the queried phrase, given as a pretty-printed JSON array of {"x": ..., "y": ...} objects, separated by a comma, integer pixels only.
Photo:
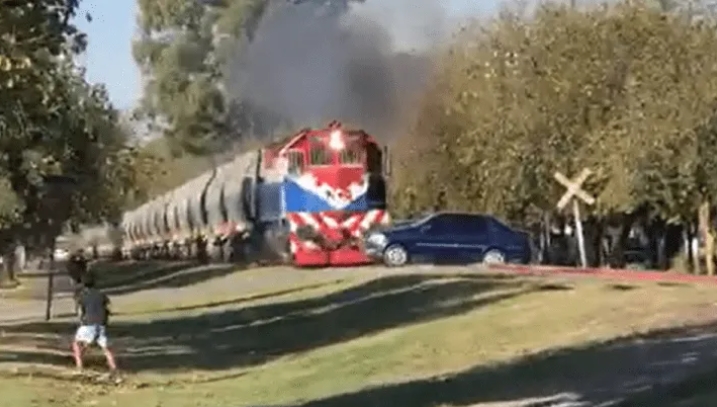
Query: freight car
[{"x": 307, "y": 200}]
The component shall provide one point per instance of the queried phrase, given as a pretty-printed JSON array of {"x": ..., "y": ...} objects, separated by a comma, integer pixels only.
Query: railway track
[{"x": 665, "y": 277}]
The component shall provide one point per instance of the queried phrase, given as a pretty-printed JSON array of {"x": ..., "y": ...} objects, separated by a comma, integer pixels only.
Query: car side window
[
  {"x": 502, "y": 228},
  {"x": 445, "y": 224},
  {"x": 473, "y": 224}
]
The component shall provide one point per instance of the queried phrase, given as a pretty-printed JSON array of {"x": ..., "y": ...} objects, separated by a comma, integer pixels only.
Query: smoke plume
[{"x": 309, "y": 63}]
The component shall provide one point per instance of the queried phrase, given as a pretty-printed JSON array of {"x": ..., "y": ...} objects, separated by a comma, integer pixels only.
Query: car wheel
[
  {"x": 494, "y": 257},
  {"x": 395, "y": 256}
]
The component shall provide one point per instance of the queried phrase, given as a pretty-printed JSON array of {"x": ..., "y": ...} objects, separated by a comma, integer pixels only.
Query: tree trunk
[
  {"x": 657, "y": 234},
  {"x": 6, "y": 275},
  {"x": 8, "y": 278},
  {"x": 617, "y": 232},
  {"x": 593, "y": 237},
  {"x": 20, "y": 258},
  {"x": 674, "y": 242},
  {"x": 546, "y": 256},
  {"x": 693, "y": 254},
  {"x": 707, "y": 236}
]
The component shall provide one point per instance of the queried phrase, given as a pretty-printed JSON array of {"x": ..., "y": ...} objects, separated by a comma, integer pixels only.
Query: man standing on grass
[
  {"x": 94, "y": 316},
  {"x": 77, "y": 269},
  {"x": 77, "y": 266}
]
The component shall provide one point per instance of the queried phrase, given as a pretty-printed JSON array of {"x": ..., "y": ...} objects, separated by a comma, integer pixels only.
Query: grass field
[{"x": 443, "y": 337}]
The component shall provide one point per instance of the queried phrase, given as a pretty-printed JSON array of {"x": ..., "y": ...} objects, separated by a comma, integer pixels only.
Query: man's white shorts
[{"x": 89, "y": 334}]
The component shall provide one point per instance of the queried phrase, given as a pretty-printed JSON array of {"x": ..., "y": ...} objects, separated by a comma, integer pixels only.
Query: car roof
[
  {"x": 490, "y": 217},
  {"x": 463, "y": 213}
]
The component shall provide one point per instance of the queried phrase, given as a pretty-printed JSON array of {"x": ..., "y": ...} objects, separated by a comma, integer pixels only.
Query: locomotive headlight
[
  {"x": 377, "y": 239},
  {"x": 336, "y": 140}
]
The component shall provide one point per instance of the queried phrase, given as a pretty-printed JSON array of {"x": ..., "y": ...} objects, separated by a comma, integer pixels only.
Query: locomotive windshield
[
  {"x": 351, "y": 150},
  {"x": 352, "y": 153},
  {"x": 319, "y": 153}
]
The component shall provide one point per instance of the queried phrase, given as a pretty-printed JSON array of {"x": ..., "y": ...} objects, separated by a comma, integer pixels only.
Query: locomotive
[{"x": 307, "y": 200}]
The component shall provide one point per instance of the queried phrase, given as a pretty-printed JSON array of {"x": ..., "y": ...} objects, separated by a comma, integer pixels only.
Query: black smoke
[{"x": 309, "y": 62}]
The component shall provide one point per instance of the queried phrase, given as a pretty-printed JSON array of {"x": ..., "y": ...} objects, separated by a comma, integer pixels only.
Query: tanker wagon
[{"x": 307, "y": 200}]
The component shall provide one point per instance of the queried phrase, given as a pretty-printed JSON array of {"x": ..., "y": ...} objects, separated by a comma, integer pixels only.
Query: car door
[
  {"x": 436, "y": 240},
  {"x": 472, "y": 237}
]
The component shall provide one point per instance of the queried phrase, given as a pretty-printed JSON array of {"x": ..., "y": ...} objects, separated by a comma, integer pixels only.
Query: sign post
[
  {"x": 50, "y": 283},
  {"x": 573, "y": 193},
  {"x": 57, "y": 189}
]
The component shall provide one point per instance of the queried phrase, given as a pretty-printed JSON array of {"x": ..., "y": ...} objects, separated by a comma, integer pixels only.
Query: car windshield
[
  {"x": 420, "y": 219},
  {"x": 414, "y": 220}
]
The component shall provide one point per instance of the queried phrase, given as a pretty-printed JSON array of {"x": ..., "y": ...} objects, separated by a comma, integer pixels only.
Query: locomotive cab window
[
  {"x": 352, "y": 154},
  {"x": 350, "y": 157},
  {"x": 319, "y": 154},
  {"x": 296, "y": 162}
]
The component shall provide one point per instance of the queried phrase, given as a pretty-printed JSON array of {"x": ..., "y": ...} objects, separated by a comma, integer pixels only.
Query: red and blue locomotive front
[{"x": 333, "y": 191}]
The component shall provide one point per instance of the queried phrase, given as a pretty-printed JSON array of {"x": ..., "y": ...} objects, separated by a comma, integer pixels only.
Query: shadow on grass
[
  {"x": 591, "y": 375},
  {"x": 128, "y": 277},
  {"x": 236, "y": 301},
  {"x": 255, "y": 335}
]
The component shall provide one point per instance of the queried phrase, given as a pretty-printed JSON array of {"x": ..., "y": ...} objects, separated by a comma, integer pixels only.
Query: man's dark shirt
[{"x": 94, "y": 305}]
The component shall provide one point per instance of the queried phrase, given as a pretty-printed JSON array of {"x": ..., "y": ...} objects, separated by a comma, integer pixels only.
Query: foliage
[
  {"x": 63, "y": 154},
  {"x": 189, "y": 52},
  {"x": 182, "y": 57},
  {"x": 171, "y": 169},
  {"x": 627, "y": 91}
]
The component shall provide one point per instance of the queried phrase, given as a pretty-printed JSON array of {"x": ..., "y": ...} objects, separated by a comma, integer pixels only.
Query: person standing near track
[
  {"x": 77, "y": 266},
  {"x": 94, "y": 317},
  {"x": 77, "y": 270}
]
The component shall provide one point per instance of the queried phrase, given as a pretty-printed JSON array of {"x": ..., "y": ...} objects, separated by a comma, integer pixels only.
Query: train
[{"x": 306, "y": 200}]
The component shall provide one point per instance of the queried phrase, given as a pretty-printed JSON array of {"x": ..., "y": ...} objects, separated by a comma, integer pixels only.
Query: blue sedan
[{"x": 450, "y": 237}]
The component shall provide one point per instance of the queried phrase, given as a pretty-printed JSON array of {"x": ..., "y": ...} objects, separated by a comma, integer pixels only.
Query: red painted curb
[{"x": 612, "y": 274}]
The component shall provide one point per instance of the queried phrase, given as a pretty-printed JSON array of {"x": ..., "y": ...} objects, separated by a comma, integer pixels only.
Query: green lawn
[{"x": 421, "y": 340}]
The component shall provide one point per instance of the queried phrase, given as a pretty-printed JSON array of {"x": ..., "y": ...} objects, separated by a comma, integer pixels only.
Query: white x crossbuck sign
[{"x": 574, "y": 188}]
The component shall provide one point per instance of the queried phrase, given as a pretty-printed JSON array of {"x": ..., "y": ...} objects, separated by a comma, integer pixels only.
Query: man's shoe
[{"x": 115, "y": 377}]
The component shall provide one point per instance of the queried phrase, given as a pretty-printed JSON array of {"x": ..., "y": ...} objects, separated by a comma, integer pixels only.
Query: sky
[{"x": 108, "y": 58}]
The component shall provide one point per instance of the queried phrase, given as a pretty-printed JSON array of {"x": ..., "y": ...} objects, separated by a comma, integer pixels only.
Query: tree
[
  {"x": 626, "y": 90},
  {"x": 54, "y": 126},
  {"x": 181, "y": 56},
  {"x": 171, "y": 169},
  {"x": 188, "y": 52}
]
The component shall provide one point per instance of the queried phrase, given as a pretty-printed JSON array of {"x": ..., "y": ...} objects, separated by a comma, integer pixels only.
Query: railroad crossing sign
[{"x": 575, "y": 190}]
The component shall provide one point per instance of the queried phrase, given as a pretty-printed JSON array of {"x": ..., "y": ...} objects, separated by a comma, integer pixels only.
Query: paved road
[{"x": 33, "y": 305}]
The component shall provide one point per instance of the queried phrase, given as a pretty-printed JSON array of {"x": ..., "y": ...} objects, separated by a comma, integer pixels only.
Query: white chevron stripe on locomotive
[
  {"x": 357, "y": 224},
  {"x": 320, "y": 221}
]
